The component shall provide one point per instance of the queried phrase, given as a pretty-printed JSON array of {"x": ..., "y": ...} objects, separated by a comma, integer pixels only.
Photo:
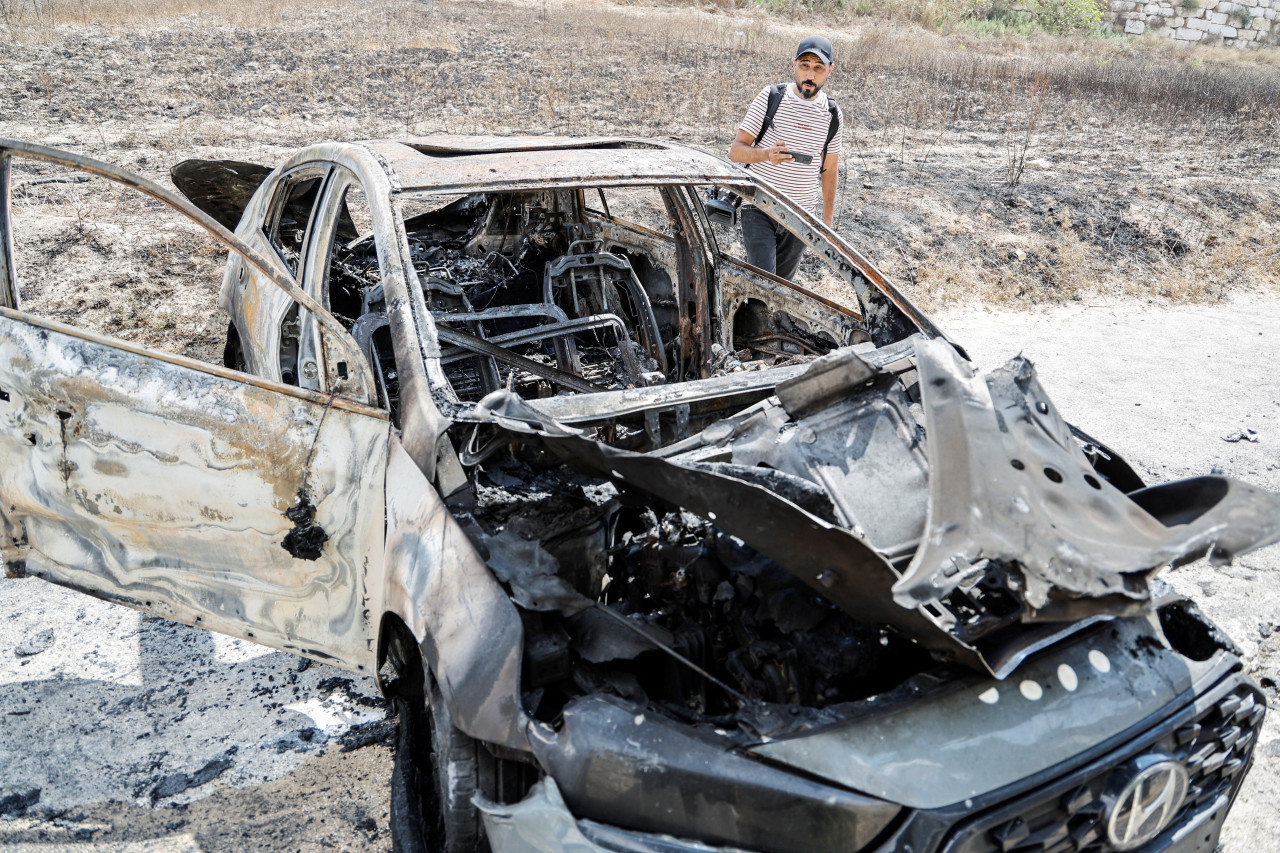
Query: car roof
[{"x": 466, "y": 163}]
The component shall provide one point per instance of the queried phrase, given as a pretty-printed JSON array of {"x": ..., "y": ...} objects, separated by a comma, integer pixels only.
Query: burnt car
[{"x": 651, "y": 549}]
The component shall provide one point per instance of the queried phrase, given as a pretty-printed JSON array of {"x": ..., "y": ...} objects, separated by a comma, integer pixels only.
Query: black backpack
[{"x": 776, "y": 92}]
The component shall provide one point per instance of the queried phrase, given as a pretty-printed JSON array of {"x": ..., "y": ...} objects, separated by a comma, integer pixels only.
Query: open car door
[{"x": 188, "y": 490}]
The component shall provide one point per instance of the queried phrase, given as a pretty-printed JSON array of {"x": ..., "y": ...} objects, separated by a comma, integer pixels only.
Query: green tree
[{"x": 1068, "y": 16}]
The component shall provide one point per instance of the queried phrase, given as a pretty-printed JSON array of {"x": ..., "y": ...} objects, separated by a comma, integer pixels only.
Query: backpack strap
[
  {"x": 832, "y": 129},
  {"x": 775, "y": 98}
]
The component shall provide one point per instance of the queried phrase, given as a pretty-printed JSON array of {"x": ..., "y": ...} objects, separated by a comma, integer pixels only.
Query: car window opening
[{"x": 542, "y": 294}]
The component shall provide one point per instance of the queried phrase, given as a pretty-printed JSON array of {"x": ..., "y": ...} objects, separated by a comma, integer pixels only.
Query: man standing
[{"x": 804, "y": 122}]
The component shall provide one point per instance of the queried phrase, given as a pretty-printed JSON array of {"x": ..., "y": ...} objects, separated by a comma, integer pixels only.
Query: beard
[{"x": 809, "y": 89}]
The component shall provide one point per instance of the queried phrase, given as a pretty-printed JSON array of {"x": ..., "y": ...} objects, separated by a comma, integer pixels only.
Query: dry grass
[
  {"x": 102, "y": 257},
  {"x": 30, "y": 17}
]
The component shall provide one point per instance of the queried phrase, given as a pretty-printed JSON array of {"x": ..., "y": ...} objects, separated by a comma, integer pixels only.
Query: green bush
[
  {"x": 1000, "y": 20},
  {"x": 1190, "y": 5},
  {"x": 1068, "y": 16}
]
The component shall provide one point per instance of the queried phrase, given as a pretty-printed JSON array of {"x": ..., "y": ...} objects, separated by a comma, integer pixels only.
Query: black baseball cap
[{"x": 819, "y": 47}]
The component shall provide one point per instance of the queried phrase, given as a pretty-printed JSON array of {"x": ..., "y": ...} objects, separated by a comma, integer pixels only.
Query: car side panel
[
  {"x": 469, "y": 632},
  {"x": 163, "y": 483}
]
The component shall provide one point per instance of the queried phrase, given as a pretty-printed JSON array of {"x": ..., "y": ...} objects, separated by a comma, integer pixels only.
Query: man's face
[{"x": 811, "y": 75}]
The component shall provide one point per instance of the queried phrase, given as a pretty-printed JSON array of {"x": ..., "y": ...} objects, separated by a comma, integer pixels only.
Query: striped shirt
[{"x": 802, "y": 125}]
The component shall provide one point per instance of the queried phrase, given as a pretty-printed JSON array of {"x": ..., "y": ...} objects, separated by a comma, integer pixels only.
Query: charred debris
[
  {"x": 762, "y": 536},
  {"x": 765, "y": 535},
  {"x": 621, "y": 591}
]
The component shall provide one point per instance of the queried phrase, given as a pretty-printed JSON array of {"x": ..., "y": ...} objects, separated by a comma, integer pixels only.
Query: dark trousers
[{"x": 769, "y": 246}]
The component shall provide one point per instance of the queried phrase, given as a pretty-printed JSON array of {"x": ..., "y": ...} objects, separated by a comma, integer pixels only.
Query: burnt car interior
[{"x": 549, "y": 295}]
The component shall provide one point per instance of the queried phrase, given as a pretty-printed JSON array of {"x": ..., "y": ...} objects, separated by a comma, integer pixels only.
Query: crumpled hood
[
  {"x": 984, "y": 734},
  {"x": 1014, "y": 540},
  {"x": 1008, "y": 481}
]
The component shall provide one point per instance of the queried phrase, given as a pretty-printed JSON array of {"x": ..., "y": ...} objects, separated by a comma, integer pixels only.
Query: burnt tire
[{"x": 436, "y": 774}]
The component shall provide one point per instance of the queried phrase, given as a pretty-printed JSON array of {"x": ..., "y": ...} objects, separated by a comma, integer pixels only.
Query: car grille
[{"x": 1214, "y": 742}]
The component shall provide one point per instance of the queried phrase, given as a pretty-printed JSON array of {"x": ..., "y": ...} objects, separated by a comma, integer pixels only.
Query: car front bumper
[{"x": 1060, "y": 810}]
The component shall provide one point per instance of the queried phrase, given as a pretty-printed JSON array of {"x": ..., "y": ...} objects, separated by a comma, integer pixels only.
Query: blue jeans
[{"x": 769, "y": 246}]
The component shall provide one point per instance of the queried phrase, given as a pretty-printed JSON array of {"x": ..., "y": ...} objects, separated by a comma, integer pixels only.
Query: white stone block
[
  {"x": 1186, "y": 34},
  {"x": 1226, "y": 8},
  {"x": 1167, "y": 11},
  {"x": 1217, "y": 18},
  {"x": 1270, "y": 14},
  {"x": 1199, "y": 24},
  {"x": 1248, "y": 35},
  {"x": 1215, "y": 29},
  {"x": 1261, "y": 23},
  {"x": 1206, "y": 5},
  {"x": 1177, "y": 23},
  {"x": 1229, "y": 32}
]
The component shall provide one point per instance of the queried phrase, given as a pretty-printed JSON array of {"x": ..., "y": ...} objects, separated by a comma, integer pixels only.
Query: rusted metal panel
[
  {"x": 8, "y": 281},
  {"x": 439, "y": 585},
  {"x": 330, "y": 400},
  {"x": 452, "y": 145},
  {"x": 1008, "y": 481},
  {"x": 165, "y": 484},
  {"x": 417, "y": 349},
  {"x": 564, "y": 169}
]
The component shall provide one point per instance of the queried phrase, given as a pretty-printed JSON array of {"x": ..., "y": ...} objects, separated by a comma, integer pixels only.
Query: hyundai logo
[{"x": 1149, "y": 795}]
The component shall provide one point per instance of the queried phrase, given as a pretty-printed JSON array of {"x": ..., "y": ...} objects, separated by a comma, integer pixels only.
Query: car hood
[{"x": 979, "y": 735}]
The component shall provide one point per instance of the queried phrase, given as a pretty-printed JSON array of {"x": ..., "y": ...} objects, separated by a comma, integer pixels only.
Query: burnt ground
[{"x": 1151, "y": 233}]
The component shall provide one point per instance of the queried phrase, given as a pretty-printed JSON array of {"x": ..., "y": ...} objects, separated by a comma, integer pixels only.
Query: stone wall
[{"x": 1251, "y": 24}]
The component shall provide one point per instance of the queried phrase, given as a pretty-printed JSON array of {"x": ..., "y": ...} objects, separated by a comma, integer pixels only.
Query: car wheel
[{"x": 436, "y": 774}]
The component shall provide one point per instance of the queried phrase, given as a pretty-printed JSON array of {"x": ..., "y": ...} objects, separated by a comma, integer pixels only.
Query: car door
[{"x": 191, "y": 491}]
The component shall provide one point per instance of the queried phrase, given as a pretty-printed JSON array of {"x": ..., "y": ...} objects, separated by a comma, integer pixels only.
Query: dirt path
[{"x": 120, "y": 710}]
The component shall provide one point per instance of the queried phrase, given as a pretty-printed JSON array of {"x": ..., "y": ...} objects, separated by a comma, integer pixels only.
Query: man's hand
[
  {"x": 777, "y": 154},
  {"x": 742, "y": 151}
]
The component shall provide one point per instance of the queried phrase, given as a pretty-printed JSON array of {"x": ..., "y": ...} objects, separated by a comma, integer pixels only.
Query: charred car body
[{"x": 653, "y": 550}]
